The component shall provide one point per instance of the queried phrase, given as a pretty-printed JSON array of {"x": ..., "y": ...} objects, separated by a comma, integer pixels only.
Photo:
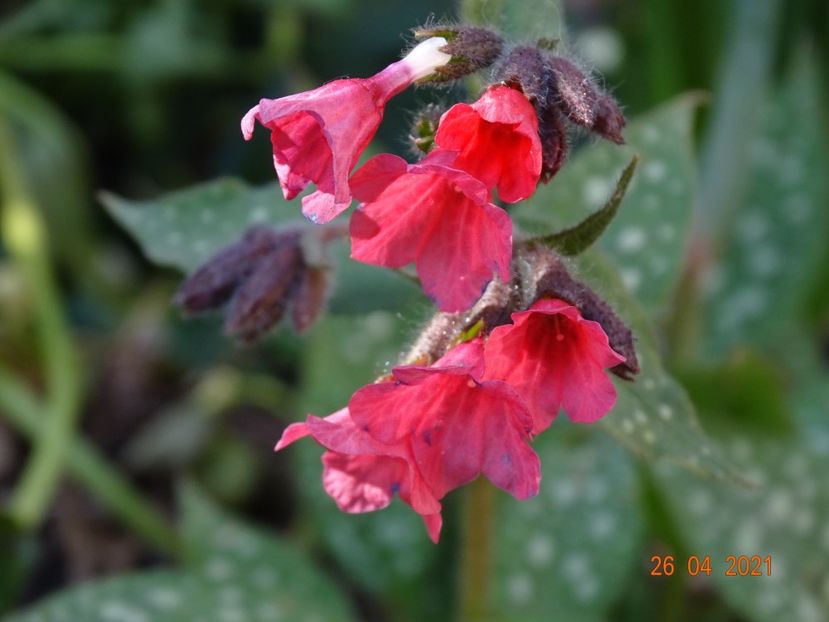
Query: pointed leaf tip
[{"x": 580, "y": 237}]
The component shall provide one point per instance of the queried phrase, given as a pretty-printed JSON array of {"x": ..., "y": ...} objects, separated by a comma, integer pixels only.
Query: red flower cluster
[
  {"x": 428, "y": 430},
  {"x": 437, "y": 213}
]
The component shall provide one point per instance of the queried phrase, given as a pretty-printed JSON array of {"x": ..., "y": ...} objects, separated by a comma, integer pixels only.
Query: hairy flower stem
[{"x": 476, "y": 557}]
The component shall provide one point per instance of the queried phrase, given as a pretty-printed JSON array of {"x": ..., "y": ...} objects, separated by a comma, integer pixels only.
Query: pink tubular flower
[
  {"x": 458, "y": 425},
  {"x": 555, "y": 359},
  {"x": 496, "y": 140},
  {"x": 433, "y": 215},
  {"x": 317, "y": 136},
  {"x": 362, "y": 474}
]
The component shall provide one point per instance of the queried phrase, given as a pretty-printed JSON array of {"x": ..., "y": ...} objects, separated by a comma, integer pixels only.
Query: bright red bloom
[
  {"x": 317, "y": 136},
  {"x": 496, "y": 140},
  {"x": 458, "y": 425},
  {"x": 362, "y": 474},
  {"x": 433, "y": 215},
  {"x": 555, "y": 359}
]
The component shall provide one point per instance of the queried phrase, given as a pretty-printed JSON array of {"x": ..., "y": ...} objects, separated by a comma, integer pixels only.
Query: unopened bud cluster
[{"x": 256, "y": 280}]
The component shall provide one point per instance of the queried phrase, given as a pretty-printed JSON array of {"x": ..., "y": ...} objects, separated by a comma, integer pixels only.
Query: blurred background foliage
[{"x": 137, "y": 480}]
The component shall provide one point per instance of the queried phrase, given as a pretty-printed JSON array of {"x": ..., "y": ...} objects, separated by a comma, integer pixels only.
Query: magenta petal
[
  {"x": 361, "y": 483},
  {"x": 438, "y": 217},
  {"x": 480, "y": 433},
  {"x": 292, "y": 433},
  {"x": 555, "y": 359},
  {"x": 496, "y": 140}
]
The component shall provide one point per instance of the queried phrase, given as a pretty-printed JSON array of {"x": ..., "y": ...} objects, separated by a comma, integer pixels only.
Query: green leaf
[
  {"x": 647, "y": 237},
  {"x": 777, "y": 241},
  {"x": 237, "y": 574},
  {"x": 566, "y": 554},
  {"x": 221, "y": 547},
  {"x": 579, "y": 238},
  {"x": 747, "y": 391},
  {"x": 653, "y": 415},
  {"x": 786, "y": 517},
  {"x": 185, "y": 228}
]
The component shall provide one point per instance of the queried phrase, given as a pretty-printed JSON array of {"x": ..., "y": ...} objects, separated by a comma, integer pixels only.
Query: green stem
[
  {"x": 23, "y": 234},
  {"x": 23, "y": 411},
  {"x": 479, "y": 501}
]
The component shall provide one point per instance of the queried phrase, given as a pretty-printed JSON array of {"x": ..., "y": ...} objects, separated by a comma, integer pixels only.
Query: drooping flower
[
  {"x": 317, "y": 136},
  {"x": 555, "y": 359},
  {"x": 362, "y": 474},
  {"x": 438, "y": 217},
  {"x": 459, "y": 425},
  {"x": 496, "y": 140}
]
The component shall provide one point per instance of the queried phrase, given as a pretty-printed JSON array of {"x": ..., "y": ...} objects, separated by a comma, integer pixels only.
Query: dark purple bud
[
  {"x": 525, "y": 67},
  {"x": 552, "y": 279},
  {"x": 472, "y": 48},
  {"x": 609, "y": 120},
  {"x": 212, "y": 285},
  {"x": 574, "y": 92},
  {"x": 553, "y": 143},
  {"x": 309, "y": 297},
  {"x": 260, "y": 302}
]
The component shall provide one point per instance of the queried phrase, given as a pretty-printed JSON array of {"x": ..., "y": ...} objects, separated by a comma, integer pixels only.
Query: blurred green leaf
[
  {"x": 165, "y": 42},
  {"x": 747, "y": 391},
  {"x": 184, "y": 228},
  {"x": 566, "y": 554},
  {"x": 528, "y": 20},
  {"x": 237, "y": 574},
  {"x": 227, "y": 551},
  {"x": 786, "y": 516},
  {"x": 777, "y": 241},
  {"x": 647, "y": 238},
  {"x": 53, "y": 163}
]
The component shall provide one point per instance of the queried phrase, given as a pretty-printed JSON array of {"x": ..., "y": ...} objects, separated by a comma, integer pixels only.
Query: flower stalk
[{"x": 475, "y": 555}]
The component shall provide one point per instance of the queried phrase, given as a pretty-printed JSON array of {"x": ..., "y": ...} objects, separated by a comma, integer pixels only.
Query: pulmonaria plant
[{"x": 516, "y": 339}]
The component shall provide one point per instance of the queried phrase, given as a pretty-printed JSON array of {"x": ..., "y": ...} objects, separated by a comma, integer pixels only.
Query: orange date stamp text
[{"x": 731, "y": 566}]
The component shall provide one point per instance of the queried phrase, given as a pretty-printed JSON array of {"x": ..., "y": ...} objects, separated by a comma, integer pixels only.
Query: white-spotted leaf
[
  {"x": 183, "y": 229},
  {"x": 565, "y": 555},
  {"x": 646, "y": 238},
  {"x": 653, "y": 415},
  {"x": 778, "y": 238},
  {"x": 235, "y": 574}
]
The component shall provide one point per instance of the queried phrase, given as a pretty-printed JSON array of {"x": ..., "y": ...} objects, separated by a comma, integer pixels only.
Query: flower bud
[
  {"x": 576, "y": 95},
  {"x": 212, "y": 285},
  {"x": 310, "y": 297},
  {"x": 609, "y": 121},
  {"x": 424, "y": 128},
  {"x": 261, "y": 276},
  {"x": 260, "y": 301},
  {"x": 525, "y": 67},
  {"x": 471, "y": 48},
  {"x": 554, "y": 145},
  {"x": 575, "y": 92}
]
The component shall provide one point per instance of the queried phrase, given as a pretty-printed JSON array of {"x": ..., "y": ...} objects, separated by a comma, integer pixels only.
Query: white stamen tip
[{"x": 426, "y": 57}]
